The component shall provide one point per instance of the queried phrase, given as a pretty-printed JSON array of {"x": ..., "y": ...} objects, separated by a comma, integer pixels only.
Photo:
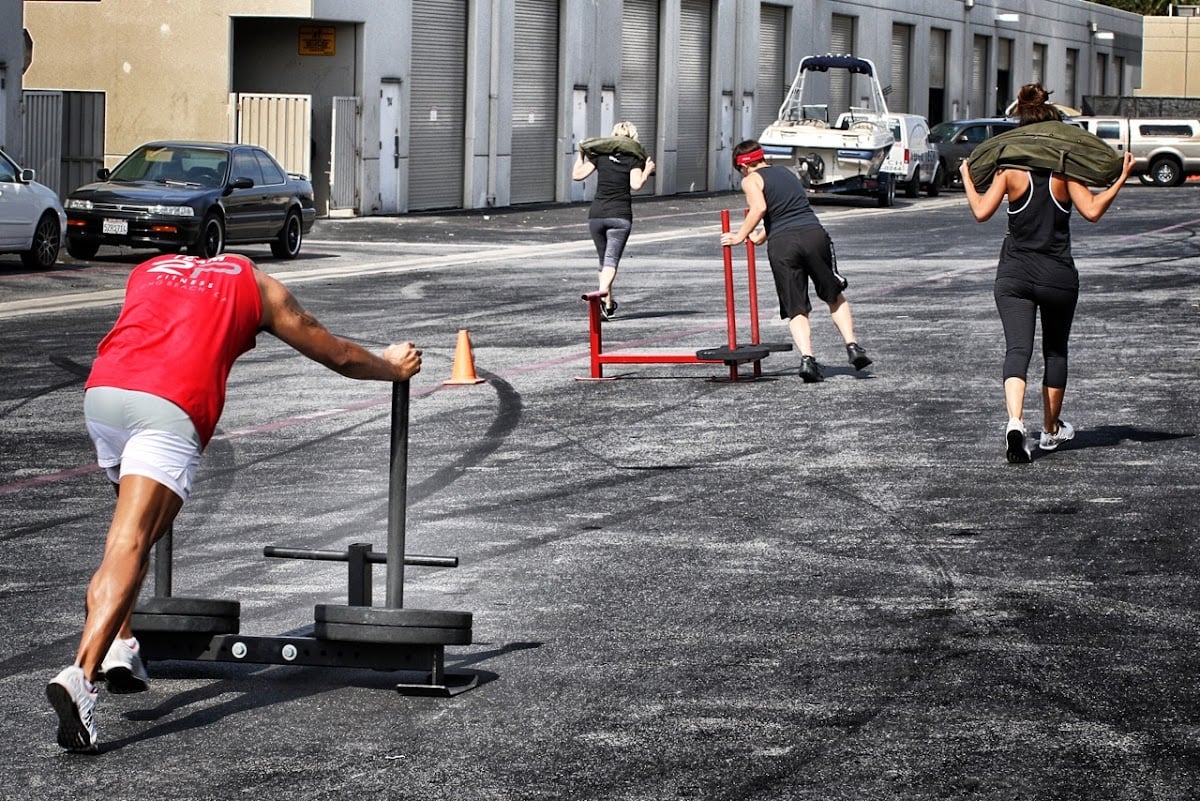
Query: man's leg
[{"x": 145, "y": 510}]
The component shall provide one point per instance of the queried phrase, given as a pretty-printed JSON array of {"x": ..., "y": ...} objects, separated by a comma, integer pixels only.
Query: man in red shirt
[{"x": 152, "y": 401}]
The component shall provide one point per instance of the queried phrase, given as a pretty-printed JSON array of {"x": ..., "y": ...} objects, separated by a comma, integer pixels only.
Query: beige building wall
[
  {"x": 1170, "y": 57},
  {"x": 126, "y": 62}
]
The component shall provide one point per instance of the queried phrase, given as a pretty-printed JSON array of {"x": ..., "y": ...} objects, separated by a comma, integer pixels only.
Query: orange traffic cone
[{"x": 464, "y": 362}]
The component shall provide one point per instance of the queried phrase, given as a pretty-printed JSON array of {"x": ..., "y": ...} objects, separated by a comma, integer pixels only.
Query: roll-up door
[
  {"x": 979, "y": 60},
  {"x": 438, "y": 101},
  {"x": 841, "y": 41},
  {"x": 692, "y": 145},
  {"x": 535, "y": 108},
  {"x": 773, "y": 79},
  {"x": 938, "y": 38},
  {"x": 897, "y": 99},
  {"x": 637, "y": 94}
]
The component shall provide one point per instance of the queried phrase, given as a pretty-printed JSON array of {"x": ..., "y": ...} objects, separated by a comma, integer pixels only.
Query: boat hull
[{"x": 827, "y": 156}]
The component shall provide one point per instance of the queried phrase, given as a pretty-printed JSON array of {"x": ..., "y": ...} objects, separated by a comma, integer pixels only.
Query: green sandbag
[
  {"x": 1054, "y": 146},
  {"x": 605, "y": 145}
]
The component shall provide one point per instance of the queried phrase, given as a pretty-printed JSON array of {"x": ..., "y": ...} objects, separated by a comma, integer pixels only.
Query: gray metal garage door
[
  {"x": 637, "y": 93},
  {"x": 979, "y": 61},
  {"x": 535, "y": 91},
  {"x": 773, "y": 77},
  {"x": 898, "y": 98},
  {"x": 841, "y": 41},
  {"x": 693, "y": 145},
  {"x": 438, "y": 104}
]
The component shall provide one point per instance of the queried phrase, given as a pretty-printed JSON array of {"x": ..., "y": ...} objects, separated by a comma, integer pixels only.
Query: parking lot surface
[{"x": 681, "y": 586}]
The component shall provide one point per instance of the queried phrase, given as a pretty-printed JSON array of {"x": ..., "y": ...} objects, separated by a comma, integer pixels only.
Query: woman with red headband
[{"x": 799, "y": 249}]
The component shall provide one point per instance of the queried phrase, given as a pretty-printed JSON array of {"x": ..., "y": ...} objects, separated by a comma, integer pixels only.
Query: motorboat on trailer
[{"x": 840, "y": 155}]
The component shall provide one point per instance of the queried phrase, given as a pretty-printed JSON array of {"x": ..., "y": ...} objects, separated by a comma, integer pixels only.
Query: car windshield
[{"x": 171, "y": 164}]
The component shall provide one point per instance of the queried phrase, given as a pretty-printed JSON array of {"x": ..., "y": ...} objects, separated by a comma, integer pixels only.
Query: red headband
[{"x": 753, "y": 157}]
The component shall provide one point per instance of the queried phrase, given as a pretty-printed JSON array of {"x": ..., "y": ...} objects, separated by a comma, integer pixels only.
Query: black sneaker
[
  {"x": 858, "y": 357},
  {"x": 810, "y": 371},
  {"x": 608, "y": 312}
]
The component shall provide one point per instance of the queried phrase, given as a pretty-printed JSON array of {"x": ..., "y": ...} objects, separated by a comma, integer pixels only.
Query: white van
[{"x": 913, "y": 159}]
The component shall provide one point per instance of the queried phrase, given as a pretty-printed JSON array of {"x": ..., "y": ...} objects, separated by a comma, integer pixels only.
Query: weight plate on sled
[
  {"x": 175, "y": 605},
  {"x": 183, "y": 624},
  {"x": 749, "y": 353},
  {"x": 169, "y": 613},
  {"x": 386, "y": 625}
]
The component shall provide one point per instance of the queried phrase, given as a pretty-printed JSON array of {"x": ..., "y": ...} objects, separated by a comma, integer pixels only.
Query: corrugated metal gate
[
  {"x": 344, "y": 190},
  {"x": 437, "y": 126},
  {"x": 535, "y": 105},
  {"x": 897, "y": 99},
  {"x": 43, "y": 129},
  {"x": 637, "y": 96},
  {"x": 937, "y": 74},
  {"x": 979, "y": 60},
  {"x": 280, "y": 123},
  {"x": 841, "y": 41},
  {"x": 64, "y": 137},
  {"x": 773, "y": 79},
  {"x": 693, "y": 142}
]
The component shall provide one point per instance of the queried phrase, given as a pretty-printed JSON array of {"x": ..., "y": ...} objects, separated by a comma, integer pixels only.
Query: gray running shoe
[
  {"x": 123, "y": 669},
  {"x": 76, "y": 707},
  {"x": 1051, "y": 441}
]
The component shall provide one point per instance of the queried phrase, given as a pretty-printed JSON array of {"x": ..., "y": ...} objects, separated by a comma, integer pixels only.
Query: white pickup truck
[{"x": 1166, "y": 151}]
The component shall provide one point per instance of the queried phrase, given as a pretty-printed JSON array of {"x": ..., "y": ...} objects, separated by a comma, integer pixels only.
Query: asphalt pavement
[{"x": 681, "y": 586}]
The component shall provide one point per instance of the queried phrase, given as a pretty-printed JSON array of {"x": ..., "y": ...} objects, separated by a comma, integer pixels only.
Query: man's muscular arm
[{"x": 283, "y": 316}]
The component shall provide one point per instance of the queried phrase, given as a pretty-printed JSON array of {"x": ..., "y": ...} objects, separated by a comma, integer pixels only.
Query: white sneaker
[
  {"x": 1015, "y": 440},
  {"x": 76, "y": 705},
  {"x": 1051, "y": 441},
  {"x": 123, "y": 669}
]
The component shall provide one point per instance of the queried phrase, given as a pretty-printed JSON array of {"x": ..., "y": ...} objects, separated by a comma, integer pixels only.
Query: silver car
[{"x": 32, "y": 220}]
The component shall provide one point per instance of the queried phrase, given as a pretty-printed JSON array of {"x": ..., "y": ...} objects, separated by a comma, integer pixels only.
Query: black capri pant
[{"x": 1019, "y": 302}]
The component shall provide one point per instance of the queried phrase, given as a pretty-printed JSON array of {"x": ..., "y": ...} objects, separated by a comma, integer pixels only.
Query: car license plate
[{"x": 120, "y": 227}]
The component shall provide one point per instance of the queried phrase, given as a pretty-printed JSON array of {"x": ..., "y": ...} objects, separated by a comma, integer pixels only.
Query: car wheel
[
  {"x": 287, "y": 246},
  {"x": 887, "y": 190},
  {"x": 1166, "y": 172},
  {"x": 935, "y": 183},
  {"x": 81, "y": 250},
  {"x": 913, "y": 187},
  {"x": 47, "y": 239},
  {"x": 211, "y": 241}
]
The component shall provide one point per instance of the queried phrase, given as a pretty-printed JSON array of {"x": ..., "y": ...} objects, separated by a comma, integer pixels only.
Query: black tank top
[
  {"x": 787, "y": 202},
  {"x": 1037, "y": 246},
  {"x": 613, "y": 196}
]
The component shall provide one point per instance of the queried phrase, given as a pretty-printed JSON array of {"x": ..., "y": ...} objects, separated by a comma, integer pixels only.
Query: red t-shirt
[{"x": 184, "y": 322}]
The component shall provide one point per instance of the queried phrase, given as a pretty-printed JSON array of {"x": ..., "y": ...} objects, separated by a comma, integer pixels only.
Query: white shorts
[{"x": 140, "y": 434}]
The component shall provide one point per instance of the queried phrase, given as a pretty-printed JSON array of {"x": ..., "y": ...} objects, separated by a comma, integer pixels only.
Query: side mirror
[
  {"x": 241, "y": 183},
  {"x": 27, "y": 176},
  {"x": 102, "y": 174}
]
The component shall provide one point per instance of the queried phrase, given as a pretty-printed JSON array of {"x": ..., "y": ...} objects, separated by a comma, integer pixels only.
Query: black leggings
[{"x": 1018, "y": 303}]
